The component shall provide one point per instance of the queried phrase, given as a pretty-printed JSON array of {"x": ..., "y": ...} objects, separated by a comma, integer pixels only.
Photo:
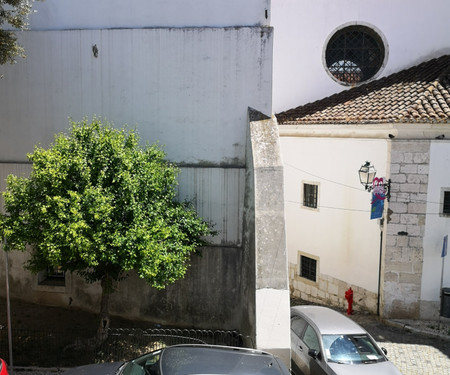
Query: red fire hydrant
[{"x": 349, "y": 298}]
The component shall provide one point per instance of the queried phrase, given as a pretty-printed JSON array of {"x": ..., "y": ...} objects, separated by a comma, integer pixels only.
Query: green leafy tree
[
  {"x": 13, "y": 15},
  {"x": 98, "y": 204}
]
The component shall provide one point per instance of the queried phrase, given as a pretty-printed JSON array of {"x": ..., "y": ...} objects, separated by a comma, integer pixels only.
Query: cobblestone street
[
  {"x": 412, "y": 359},
  {"x": 413, "y": 353}
]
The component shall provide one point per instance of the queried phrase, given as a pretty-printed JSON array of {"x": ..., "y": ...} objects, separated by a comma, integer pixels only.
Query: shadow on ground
[{"x": 37, "y": 317}]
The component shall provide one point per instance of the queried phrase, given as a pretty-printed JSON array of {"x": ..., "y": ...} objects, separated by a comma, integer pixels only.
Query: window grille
[
  {"x": 354, "y": 54},
  {"x": 52, "y": 276},
  {"x": 308, "y": 268},
  {"x": 446, "y": 203},
  {"x": 55, "y": 273},
  {"x": 310, "y": 193}
]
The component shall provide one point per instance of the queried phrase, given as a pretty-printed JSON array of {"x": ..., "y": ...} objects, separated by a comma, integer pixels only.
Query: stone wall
[
  {"x": 405, "y": 226},
  {"x": 265, "y": 179},
  {"x": 330, "y": 291}
]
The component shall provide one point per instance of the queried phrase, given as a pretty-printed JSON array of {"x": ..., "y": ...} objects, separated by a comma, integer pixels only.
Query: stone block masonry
[
  {"x": 330, "y": 291},
  {"x": 403, "y": 256}
]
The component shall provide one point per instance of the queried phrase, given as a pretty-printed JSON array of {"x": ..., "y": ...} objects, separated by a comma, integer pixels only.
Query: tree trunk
[{"x": 106, "y": 285}]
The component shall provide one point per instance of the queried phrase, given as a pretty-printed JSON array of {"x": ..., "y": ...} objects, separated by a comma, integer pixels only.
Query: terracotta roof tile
[{"x": 417, "y": 94}]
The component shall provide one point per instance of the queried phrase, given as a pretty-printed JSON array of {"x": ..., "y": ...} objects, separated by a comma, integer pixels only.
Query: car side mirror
[
  {"x": 384, "y": 351},
  {"x": 314, "y": 353}
]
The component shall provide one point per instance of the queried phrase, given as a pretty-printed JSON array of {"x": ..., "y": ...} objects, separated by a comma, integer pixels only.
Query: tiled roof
[{"x": 418, "y": 94}]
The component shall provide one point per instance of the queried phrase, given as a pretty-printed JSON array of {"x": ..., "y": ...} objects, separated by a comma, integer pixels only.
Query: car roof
[
  {"x": 327, "y": 321},
  {"x": 213, "y": 359}
]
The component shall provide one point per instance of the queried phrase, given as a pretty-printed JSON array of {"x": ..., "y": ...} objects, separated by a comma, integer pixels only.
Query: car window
[
  {"x": 351, "y": 349},
  {"x": 148, "y": 364},
  {"x": 310, "y": 338},
  {"x": 298, "y": 325}
]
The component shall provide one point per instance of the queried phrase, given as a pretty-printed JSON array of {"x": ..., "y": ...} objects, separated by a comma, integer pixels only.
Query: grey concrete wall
[
  {"x": 212, "y": 295},
  {"x": 208, "y": 297}
]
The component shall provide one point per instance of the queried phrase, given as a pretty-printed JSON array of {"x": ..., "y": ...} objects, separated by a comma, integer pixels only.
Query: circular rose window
[{"x": 354, "y": 54}]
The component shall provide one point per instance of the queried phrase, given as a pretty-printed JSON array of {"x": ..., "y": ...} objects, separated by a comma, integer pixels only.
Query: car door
[
  {"x": 316, "y": 365},
  {"x": 299, "y": 362}
]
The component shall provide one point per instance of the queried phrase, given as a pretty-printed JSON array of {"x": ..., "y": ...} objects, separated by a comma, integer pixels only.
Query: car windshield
[{"x": 351, "y": 349}]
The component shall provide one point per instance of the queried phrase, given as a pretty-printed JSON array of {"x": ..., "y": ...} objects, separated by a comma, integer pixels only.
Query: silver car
[{"x": 323, "y": 341}]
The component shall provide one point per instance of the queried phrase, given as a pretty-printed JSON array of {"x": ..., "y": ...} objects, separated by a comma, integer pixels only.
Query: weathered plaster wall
[
  {"x": 87, "y": 14},
  {"x": 212, "y": 295},
  {"x": 194, "y": 301},
  {"x": 188, "y": 89}
]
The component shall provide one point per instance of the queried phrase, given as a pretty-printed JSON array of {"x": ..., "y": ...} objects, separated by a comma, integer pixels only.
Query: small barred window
[
  {"x": 446, "y": 203},
  {"x": 308, "y": 268},
  {"x": 310, "y": 195}
]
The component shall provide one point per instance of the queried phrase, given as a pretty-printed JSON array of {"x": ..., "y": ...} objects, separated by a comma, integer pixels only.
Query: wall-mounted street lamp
[{"x": 367, "y": 174}]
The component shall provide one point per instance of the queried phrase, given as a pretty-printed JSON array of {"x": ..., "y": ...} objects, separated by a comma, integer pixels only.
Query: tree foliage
[
  {"x": 98, "y": 204},
  {"x": 13, "y": 15}
]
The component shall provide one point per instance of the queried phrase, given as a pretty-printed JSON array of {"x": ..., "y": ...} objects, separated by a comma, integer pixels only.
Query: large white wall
[
  {"x": 189, "y": 88},
  {"x": 88, "y": 14},
  {"x": 436, "y": 226},
  {"x": 340, "y": 232},
  {"x": 415, "y": 31}
]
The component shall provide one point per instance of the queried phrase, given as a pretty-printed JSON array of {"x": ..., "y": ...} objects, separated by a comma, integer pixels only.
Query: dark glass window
[
  {"x": 298, "y": 325},
  {"x": 446, "y": 206},
  {"x": 308, "y": 267},
  {"x": 310, "y": 192},
  {"x": 310, "y": 339},
  {"x": 354, "y": 54}
]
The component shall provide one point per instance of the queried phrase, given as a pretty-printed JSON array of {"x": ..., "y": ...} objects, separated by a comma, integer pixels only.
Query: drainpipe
[
  {"x": 379, "y": 273},
  {"x": 8, "y": 313}
]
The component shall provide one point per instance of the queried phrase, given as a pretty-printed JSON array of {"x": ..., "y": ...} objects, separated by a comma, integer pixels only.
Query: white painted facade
[
  {"x": 414, "y": 31},
  {"x": 394, "y": 267},
  {"x": 437, "y": 226},
  {"x": 340, "y": 234}
]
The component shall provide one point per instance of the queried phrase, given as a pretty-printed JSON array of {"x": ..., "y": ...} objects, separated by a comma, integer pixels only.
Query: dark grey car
[
  {"x": 192, "y": 359},
  {"x": 323, "y": 341}
]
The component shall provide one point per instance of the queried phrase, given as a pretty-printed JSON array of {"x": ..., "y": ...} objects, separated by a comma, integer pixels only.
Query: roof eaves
[{"x": 418, "y": 94}]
